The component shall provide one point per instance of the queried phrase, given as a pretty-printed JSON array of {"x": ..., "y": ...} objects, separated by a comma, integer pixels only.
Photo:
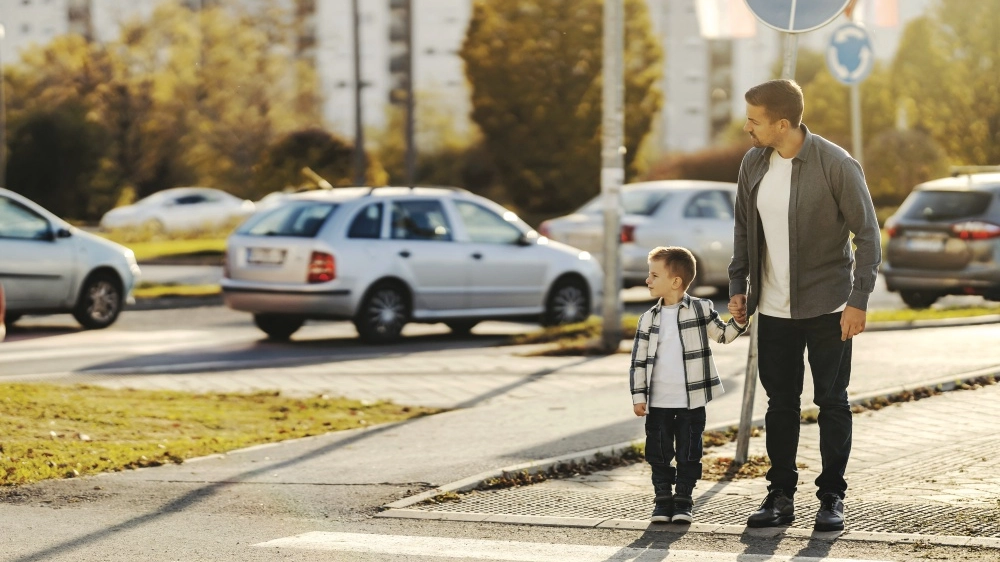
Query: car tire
[
  {"x": 461, "y": 327},
  {"x": 919, "y": 299},
  {"x": 384, "y": 311},
  {"x": 100, "y": 301},
  {"x": 568, "y": 302},
  {"x": 278, "y": 327}
]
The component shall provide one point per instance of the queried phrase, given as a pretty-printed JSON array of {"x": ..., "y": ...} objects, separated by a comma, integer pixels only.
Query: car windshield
[
  {"x": 634, "y": 202},
  {"x": 945, "y": 205},
  {"x": 298, "y": 218}
]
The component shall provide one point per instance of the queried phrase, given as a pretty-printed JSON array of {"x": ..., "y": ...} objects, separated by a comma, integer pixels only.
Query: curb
[
  {"x": 399, "y": 508},
  {"x": 165, "y": 303}
]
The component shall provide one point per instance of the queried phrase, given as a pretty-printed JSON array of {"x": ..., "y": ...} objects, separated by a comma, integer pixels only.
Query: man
[{"x": 799, "y": 198}]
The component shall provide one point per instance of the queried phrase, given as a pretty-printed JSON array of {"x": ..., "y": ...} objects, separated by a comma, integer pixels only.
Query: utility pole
[
  {"x": 411, "y": 149},
  {"x": 359, "y": 132},
  {"x": 3, "y": 117},
  {"x": 612, "y": 167}
]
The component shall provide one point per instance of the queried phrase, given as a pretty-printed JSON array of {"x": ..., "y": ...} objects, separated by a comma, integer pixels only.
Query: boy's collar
[{"x": 685, "y": 302}]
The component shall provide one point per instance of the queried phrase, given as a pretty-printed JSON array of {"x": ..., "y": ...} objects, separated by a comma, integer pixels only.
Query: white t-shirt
[
  {"x": 772, "y": 204},
  {"x": 669, "y": 384}
]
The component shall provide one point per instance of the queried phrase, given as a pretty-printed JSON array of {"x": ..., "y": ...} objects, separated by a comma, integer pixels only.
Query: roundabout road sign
[
  {"x": 850, "y": 56},
  {"x": 796, "y": 16}
]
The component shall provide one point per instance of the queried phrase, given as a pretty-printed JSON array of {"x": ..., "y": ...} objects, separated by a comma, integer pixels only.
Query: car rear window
[
  {"x": 636, "y": 202},
  {"x": 301, "y": 219},
  {"x": 946, "y": 205}
]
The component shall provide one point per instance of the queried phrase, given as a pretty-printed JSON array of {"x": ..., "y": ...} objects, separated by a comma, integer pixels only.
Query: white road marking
[{"x": 513, "y": 551}]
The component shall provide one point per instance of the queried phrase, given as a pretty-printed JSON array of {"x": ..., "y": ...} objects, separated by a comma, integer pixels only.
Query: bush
[
  {"x": 711, "y": 164},
  {"x": 895, "y": 161}
]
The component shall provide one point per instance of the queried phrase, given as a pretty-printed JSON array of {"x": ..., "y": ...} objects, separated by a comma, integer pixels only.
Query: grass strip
[
  {"x": 910, "y": 315},
  {"x": 53, "y": 431},
  {"x": 152, "y": 291},
  {"x": 150, "y": 250}
]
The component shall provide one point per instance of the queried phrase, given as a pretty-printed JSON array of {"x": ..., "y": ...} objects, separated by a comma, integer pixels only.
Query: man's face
[{"x": 763, "y": 132}]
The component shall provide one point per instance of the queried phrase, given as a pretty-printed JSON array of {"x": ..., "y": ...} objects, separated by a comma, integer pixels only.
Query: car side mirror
[
  {"x": 523, "y": 240},
  {"x": 63, "y": 233}
]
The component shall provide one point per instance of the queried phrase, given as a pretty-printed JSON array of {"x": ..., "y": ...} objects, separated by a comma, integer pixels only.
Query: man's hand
[
  {"x": 738, "y": 308},
  {"x": 852, "y": 323},
  {"x": 639, "y": 409}
]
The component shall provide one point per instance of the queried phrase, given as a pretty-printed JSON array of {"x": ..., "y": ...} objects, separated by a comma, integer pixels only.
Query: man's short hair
[
  {"x": 680, "y": 262},
  {"x": 781, "y": 99}
]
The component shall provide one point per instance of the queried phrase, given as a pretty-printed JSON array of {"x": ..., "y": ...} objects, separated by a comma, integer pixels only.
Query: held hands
[
  {"x": 852, "y": 322},
  {"x": 639, "y": 409},
  {"x": 738, "y": 308}
]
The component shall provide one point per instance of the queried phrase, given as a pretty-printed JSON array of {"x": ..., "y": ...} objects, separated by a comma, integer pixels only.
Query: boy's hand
[
  {"x": 639, "y": 409},
  {"x": 738, "y": 308}
]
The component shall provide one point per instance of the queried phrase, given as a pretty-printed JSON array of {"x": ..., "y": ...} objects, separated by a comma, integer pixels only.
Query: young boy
[{"x": 673, "y": 376}]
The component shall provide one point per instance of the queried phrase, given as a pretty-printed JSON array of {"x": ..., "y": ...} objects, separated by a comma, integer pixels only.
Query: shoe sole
[
  {"x": 783, "y": 520},
  {"x": 660, "y": 519},
  {"x": 827, "y": 528},
  {"x": 681, "y": 519}
]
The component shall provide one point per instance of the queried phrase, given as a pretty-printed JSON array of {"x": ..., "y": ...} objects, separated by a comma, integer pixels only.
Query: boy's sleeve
[
  {"x": 720, "y": 331},
  {"x": 638, "y": 366}
]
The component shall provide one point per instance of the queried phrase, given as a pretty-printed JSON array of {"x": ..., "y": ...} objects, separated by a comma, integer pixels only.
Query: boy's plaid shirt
[{"x": 697, "y": 320}]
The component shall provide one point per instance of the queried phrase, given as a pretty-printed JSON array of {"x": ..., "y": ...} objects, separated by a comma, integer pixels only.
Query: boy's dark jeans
[
  {"x": 674, "y": 433},
  {"x": 781, "y": 345}
]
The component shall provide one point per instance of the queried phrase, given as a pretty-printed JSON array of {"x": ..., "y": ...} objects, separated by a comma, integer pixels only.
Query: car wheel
[
  {"x": 461, "y": 327},
  {"x": 918, "y": 299},
  {"x": 278, "y": 327},
  {"x": 100, "y": 301},
  {"x": 568, "y": 302},
  {"x": 383, "y": 313}
]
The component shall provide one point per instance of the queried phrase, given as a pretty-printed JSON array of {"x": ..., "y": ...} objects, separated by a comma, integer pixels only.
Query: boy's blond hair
[{"x": 680, "y": 262}]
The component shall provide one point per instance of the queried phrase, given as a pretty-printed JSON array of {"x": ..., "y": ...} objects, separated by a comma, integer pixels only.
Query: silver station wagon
[
  {"x": 384, "y": 257},
  {"x": 48, "y": 266}
]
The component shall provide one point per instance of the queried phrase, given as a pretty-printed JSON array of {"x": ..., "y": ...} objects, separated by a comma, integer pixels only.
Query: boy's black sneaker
[
  {"x": 778, "y": 508},
  {"x": 664, "y": 510},
  {"x": 830, "y": 516},
  {"x": 682, "y": 509}
]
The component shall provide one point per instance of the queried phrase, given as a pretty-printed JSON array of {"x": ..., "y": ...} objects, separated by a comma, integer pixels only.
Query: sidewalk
[{"x": 920, "y": 471}]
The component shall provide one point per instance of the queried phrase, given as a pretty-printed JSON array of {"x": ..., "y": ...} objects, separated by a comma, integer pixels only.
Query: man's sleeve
[
  {"x": 856, "y": 205},
  {"x": 739, "y": 266}
]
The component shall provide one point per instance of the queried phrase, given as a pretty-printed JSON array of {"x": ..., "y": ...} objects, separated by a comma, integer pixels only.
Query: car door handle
[
  {"x": 477, "y": 256},
  {"x": 405, "y": 253}
]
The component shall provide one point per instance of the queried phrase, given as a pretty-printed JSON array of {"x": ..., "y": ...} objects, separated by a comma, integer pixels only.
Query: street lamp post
[{"x": 3, "y": 117}]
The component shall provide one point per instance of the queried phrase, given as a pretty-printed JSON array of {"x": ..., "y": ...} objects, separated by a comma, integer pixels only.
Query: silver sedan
[
  {"x": 49, "y": 266},
  {"x": 697, "y": 215}
]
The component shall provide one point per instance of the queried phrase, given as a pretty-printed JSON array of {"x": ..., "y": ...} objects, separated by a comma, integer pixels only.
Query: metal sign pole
[
  {"x": 856, "y": 145},
  {"x": 612, "y": 167}
]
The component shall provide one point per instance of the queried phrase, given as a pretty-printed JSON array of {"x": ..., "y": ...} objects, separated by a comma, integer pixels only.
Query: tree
[
  {"x": 895, "y": 161},
  {"x": 947, "y": 64},
  {"x": 828, "y": 107},
  {"x": 53, "y": 152},
  {"x": 535, "y": 72},
  {"x": 329, "y": 156}
]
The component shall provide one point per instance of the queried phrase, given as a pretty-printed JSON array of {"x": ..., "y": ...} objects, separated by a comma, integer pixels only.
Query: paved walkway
[{"x": 923, "y": 470}]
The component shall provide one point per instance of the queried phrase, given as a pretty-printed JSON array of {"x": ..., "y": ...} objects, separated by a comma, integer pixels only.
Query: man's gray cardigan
[{"x": 829, "y": 199}]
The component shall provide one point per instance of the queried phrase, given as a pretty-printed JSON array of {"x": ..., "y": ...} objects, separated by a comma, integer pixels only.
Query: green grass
[
  {"x": 909, "y": 314},
  {"x": 51, "y": 431},
  {"x": 145, "y": 251},
  {"x": 151, "y": 291}
]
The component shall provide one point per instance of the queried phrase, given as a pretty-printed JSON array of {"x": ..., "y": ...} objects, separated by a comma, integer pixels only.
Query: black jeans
[
  {"x": 674, "y": 433},
  {"x": 780, "y": 347}
]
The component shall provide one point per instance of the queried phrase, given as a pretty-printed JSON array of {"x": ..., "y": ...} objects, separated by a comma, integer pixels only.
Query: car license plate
[
  {"x": 925, "y": 244},
  {"x": 265, "y": 256}
]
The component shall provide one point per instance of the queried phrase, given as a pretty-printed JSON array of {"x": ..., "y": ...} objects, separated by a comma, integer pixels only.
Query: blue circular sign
[
  {"x": 850, "y": 56},
  {"x": 796, "y": 16}
]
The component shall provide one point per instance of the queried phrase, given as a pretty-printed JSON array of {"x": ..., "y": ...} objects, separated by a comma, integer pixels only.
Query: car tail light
[
  {"x": 322, "y": 268},
  {"x": 543, "y": 229},
  {"x": 976, "y": 230},
  {"x": 628, "y": 233},
  {"x": 891, "y": 229}
]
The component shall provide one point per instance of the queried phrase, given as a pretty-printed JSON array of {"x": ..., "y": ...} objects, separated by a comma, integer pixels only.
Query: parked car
[
  {"x": 384, "y": 257},
  {"x": 49, "y": 266},
  {"x": 945, "y": 240},
  {"x": 178, "y": 209},
  {"x": 695, "y": 214}
]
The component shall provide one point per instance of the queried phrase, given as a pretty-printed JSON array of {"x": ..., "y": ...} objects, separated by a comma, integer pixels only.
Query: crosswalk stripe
[{"x": 513, "y": 551}]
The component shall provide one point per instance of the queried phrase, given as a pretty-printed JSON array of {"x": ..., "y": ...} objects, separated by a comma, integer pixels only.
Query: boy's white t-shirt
[{"x": 669, "y": 385}]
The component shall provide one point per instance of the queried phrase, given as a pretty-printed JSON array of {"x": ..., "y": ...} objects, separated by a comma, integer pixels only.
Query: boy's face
[{"x": 662, "y": 283}]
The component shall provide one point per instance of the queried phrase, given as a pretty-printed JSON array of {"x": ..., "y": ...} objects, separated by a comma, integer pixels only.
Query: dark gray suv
[{"x": 945, "y": 240}]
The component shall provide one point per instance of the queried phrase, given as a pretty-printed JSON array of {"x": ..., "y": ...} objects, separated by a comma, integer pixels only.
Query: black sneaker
[
  {"x": 682, "y": 509},
  {"x": 664, "y": 511},
  {"x": 778, "y": 508},
  {"x": 830, "y": 516}
]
